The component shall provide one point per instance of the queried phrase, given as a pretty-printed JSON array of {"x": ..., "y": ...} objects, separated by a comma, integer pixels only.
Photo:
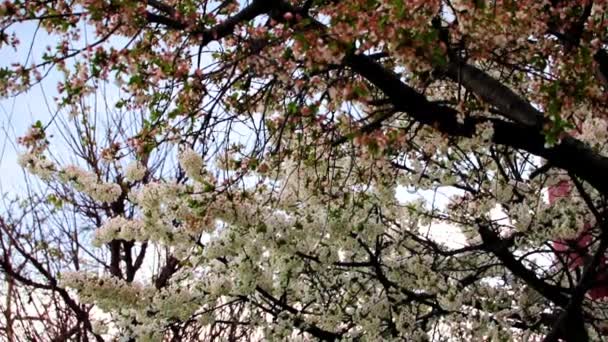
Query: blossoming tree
[{"x": 253, "y": 152}]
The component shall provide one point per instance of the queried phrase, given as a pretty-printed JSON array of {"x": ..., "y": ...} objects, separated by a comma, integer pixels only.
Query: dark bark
[
  {"x": 171, "y": 266},
  {"x": 570, "y": 154},
  {"x": 508, "y": 103}
]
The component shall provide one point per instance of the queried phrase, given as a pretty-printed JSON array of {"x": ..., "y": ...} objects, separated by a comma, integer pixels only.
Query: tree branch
[
  {"x": 500, "y": 248},
  {"x": 509, "y": 104}
]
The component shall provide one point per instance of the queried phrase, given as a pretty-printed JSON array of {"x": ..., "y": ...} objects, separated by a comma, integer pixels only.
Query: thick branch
[
  {"x": 167, "y": 272},
  {"x": 492, "y": 91},
  {"x": 571, "y": 154},
  {"x": 500, "y": 248},
  {"x": 161, "y": 6},
  {"x": 223, "y": 29}
]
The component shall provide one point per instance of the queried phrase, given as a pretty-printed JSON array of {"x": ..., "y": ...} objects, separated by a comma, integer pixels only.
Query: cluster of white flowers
[
  {"x": 100, "y": 327},
  {"x": 131, "y": 302},
  {"x": 257, "y": 239},
  {"x": 88, "y": 183},
  {"x": 595, "y": 132},
  {"x": 173, "y": 213},
  {"x": 192, "y": 163},
  {"x": 175, "y": 301},
  {"x": 485, "y": 131},
  {"x": 135, "y": 171},
  {"x": 521, "y": 215},
  {"x": 37, "y": 165},
  {"x": 108, "y": 292},
  {"x": 119, "y": 228}
]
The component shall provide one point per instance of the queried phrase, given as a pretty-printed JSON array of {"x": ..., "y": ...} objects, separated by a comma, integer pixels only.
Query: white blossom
[
  {"x": 192, "y": 163},
  {"x": 89, "y": 183},
  {"x": 119, "y": 228},
  {"x": 37, "y": 165},
  {"x": 135, "y": 171}
]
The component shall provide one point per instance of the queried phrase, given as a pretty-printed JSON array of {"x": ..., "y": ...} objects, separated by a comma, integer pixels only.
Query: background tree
[{"x": 259, "y": 148}]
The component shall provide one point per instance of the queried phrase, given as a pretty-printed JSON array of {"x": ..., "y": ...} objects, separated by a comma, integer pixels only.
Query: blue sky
[{"x": 19, "y": 112}]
